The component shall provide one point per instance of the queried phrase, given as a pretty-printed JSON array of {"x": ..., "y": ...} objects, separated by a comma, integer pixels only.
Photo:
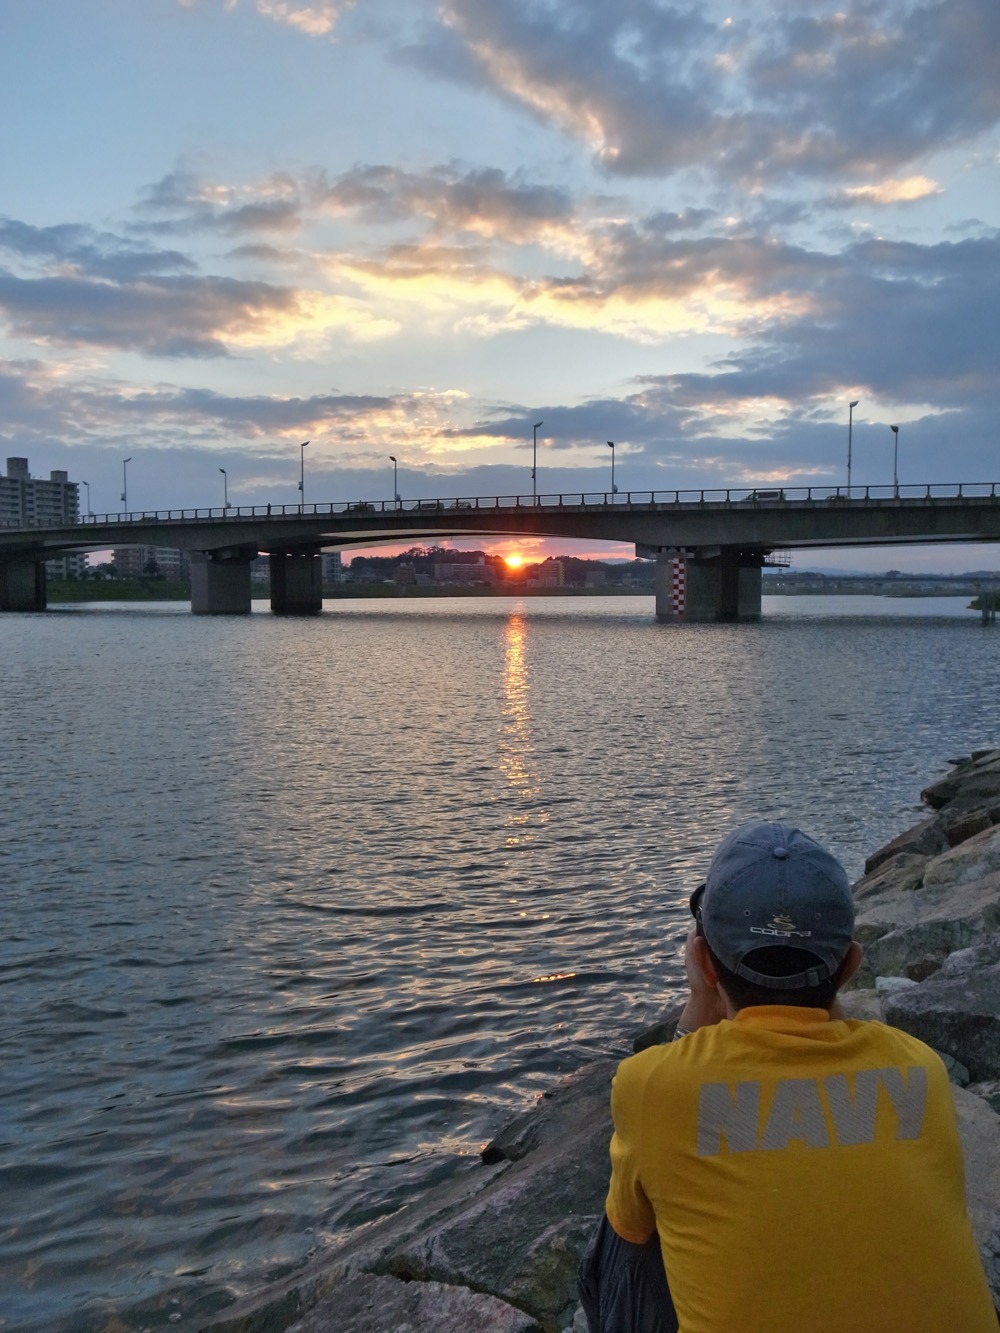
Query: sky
[{"x": 419, "y": 227}]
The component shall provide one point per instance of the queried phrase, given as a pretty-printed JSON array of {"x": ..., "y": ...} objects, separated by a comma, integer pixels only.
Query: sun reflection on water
[{"x": 516, "y": 741}]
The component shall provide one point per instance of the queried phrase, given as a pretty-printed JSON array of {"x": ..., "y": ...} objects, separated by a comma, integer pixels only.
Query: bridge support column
[
  {"x": 22, "y": 585},
  {"x": 296, "y": 583},
  {"x": 220, "y": 583},
  {"x": 697, "y": 586}
]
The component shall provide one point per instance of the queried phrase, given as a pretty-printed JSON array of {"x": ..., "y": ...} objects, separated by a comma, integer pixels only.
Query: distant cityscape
[{"x": 435, "y": 569}]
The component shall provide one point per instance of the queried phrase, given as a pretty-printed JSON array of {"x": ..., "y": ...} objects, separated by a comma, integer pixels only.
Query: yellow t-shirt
[{"x": 804, "y": 1175}]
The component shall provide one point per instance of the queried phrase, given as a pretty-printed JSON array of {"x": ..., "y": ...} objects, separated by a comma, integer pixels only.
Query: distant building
[
  {"x": 332, "y": 566},
  {"x": 464, "y": 571},
  {"x": 30, "y": 502},
  {"x": 550, "y": 574},
  {"x": 134, "y": 562},
  {"x": 260, "y": 569}
]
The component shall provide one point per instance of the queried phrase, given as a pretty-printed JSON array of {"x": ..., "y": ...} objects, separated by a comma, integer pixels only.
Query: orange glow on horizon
[{"x": 513, "y": 561}]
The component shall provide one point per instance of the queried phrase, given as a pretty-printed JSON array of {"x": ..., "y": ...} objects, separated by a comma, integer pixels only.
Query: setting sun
[{"x": 514, "y": 561}]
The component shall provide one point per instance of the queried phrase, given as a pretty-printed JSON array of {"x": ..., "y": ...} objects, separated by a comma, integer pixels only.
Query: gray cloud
[
  {"x": 763, "y": 96},
  {"x": 100, "y": 254},
  {"x": 451, "y": 198},
  {"x": 184, "y": 201},
  {"x": 173, "y": 317}
]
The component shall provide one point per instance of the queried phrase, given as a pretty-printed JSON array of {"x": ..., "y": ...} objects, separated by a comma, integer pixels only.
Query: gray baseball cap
[{"x": 771, "y": 884}]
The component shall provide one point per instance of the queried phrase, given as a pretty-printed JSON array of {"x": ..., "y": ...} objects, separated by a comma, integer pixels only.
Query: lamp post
[
  {"x": 395, "y": 482},
  {"x": 302, "y": 473},
  {"x": 225, "y": 488},
  {"x": 534, "y": 459},
  {"x": 850, "y": 427},
  {"x": 90, "y": 512},
  {"x": 614, "y": 488},
  {"x": 895, "y": 460},
  {"x": 125, "y": 463}
]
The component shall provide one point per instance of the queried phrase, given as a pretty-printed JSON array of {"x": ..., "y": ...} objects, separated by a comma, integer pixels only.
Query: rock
[
  {"x": 907, "y": 933},
  {"x": 977, "y": 779},
  {"x": 904, "y": 873},
  {"x": 979, "y": 1129},
  {"x": 957, "y": 1011},
  {"x": 960, "y": 824},
  {"x": 889, "y": 985},
  {"x": 989, "y": 1091},
  {"x": 523, "y": 1238},
  {"x": 924, "y": 839},
  {"x": 957, "y": 1072},
  {"x": 660, "y": 1033},
  {"x": 368, "y": 1303},
  {"x": 978, "y": 858},
  {"x": 862, "y": 1004}
]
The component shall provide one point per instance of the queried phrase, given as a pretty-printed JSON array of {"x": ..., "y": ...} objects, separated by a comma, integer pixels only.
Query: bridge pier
[
  {"x": 296, "y": 583},
  {"x": 220, "y": 582},
  {"x": 22, "y": 585},
  {"x": 707, "y": 584}
]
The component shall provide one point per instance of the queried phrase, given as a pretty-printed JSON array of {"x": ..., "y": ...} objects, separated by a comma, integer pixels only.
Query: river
[{"x": 297, "y": 912}]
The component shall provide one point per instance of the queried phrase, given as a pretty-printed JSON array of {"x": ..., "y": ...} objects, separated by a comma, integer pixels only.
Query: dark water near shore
[{"x": 295, "y": 913}]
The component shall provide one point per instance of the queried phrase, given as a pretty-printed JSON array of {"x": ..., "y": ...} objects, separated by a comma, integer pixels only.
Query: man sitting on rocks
[{"x": 795, "y": 1170}]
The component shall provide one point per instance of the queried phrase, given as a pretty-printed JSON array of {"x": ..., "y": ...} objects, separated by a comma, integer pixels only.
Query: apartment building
[
  {"x": 134, "y": 562},
  {"x": 31, "y": 502}
]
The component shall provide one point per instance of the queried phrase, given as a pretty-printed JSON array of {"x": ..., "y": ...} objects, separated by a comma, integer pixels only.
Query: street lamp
[
  {"x": 895, "y": 460},
  {"x": 302, "y": 473},
  {"x": 90, "y": 512},
  {"x": 125, "y": 463},
  {"x": 395, "y": 474},
  {"x": 611, "y": 446},
  {"x": 225, "y": 488},
  {"x": 534, "y": 458},
  {"x": 850, "y": 426}
]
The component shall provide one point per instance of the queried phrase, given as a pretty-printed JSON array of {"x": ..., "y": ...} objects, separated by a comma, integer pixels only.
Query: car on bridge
[
  {"x": 764, "y": 495},
  {"x": 362, "y": 507}
]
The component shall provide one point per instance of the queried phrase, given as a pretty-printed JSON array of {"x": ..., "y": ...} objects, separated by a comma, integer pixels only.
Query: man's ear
[
  {"x": 850, "y": 965},
  {"x": 702, "y": 959}
]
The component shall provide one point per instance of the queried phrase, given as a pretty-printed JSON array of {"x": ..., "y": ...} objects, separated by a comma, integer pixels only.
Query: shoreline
[{"x": 496, "y": 1248}]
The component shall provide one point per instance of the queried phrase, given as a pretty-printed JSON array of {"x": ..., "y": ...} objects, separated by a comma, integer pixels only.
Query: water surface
[{"x": 296, "y": 912}]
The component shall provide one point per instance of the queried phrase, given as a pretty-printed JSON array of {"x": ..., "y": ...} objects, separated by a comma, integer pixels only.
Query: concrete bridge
[{"x": 709, "y": 545}]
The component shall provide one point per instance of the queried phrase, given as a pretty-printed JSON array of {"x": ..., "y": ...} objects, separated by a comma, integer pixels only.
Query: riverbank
[{"x": 496, "y": 1249}]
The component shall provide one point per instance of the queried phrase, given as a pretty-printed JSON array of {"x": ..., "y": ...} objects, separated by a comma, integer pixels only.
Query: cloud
[
  {"x": 315, "y": 20},
  {"x": 186, "y": 202},
  {"x": 766, "y": 96},
  {"x": 72, "y": 248},
  {"x": 908, "y": 191},
  {"x": 481, "y": 201},
  {"x": 172, "y": 317}
]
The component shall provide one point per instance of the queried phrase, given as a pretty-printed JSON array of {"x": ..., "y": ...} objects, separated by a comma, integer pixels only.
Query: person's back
[{"x": 802, "y": 1170}]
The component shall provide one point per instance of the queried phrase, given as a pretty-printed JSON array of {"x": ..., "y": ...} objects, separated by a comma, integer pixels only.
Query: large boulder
[
  {"x": 523, "y": 1239},
  {"x": 367, "y": 1303},
  {"x": 972, "y": 781},
  {"x": 979, "y": 1129},
  {"x": 924, "y": 839},
  {"x": 910, "y": 933},
  {"x": 957, "y": 1011}
]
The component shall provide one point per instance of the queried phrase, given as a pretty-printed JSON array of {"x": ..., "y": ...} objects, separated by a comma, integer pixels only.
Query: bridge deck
[{"x": 764, "y": 519}]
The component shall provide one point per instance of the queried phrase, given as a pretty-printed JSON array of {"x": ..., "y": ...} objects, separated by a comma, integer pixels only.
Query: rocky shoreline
[{"x": 496, "y": 1249}]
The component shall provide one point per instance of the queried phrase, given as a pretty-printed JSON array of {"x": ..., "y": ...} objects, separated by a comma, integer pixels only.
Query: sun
[{"x": 513, "y": 561}]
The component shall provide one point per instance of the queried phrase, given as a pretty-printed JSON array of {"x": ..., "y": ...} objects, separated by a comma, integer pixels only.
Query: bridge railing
[{"x": 404, "y": 511}]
